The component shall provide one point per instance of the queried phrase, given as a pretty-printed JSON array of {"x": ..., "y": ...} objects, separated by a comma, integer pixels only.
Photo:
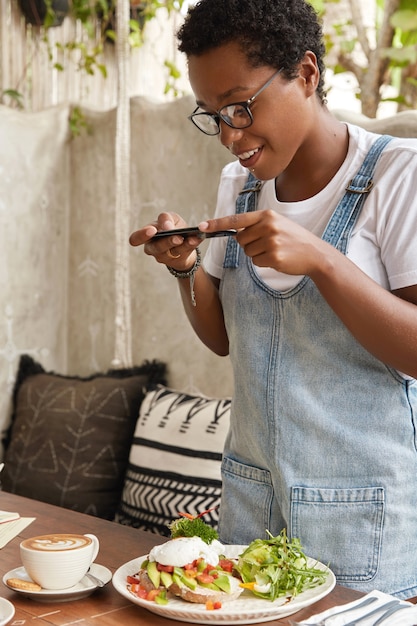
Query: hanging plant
[
  {"x": 141, "y": 12},
  {"x": 41, "y": 12},
  {"x": 97, "y": 19}
]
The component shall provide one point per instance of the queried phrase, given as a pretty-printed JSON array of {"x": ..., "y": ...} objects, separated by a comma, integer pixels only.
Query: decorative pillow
[
  {"x": 70, "y": 437},
  {"x": 174, "y": 463}
]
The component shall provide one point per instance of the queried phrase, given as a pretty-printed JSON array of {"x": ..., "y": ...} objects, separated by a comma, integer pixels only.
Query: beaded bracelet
[{"x": 188, "y": 274}]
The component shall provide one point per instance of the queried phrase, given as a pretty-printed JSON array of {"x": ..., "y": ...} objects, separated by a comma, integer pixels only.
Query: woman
[{"x": 314, "y": 298}]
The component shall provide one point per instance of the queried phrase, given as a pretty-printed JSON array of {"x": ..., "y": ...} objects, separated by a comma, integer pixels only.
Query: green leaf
[
  {"x": 77, "y": 122},
  {"x": 135, "y": 40},
  {"x": 318, "y": 5},
  {"x": 134, "y": 26},
  {"x": 15, "y": 95},
  {"x": 348, "y": 46},
  {"x": 173, "y": 70},
  {"x": 401, "y": 55},
  {"x": 110, "y": 34},
  {"x": 405, "y": 20},
  {"x": 398, "y": 100},
  {"x": 278, "y": 567}
]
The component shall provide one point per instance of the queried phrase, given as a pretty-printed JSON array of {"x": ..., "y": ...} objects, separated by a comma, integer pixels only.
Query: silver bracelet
[{"x": 188, "y": 274}]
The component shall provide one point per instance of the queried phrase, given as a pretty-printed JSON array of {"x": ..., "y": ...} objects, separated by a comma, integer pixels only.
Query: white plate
[
  {"x": 247, "y": 609},
  {"x": 6, "y": 611},
  {"x": 81, "y": 590}
]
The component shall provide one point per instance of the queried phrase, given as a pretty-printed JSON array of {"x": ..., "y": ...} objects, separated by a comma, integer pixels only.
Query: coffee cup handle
[{"x": 96, "y": 546}]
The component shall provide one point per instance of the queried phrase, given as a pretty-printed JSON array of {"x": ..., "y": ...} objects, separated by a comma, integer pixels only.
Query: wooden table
[{"x": 118, "y": 544}]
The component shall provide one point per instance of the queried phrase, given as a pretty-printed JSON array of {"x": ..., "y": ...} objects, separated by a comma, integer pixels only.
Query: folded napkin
[
  {"x": 8, "y": 516},
  {"x": 405, "y": 617},
  {"x": 10, "y": 529}
]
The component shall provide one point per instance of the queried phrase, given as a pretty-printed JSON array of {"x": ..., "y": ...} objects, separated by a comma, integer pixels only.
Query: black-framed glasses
[{"x": 236, "y": 115}]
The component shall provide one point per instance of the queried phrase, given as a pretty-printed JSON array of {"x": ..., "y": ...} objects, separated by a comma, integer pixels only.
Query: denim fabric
[{"x": 323, "y": 435}]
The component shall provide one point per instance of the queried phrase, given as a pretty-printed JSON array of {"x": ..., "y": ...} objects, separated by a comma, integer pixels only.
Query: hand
[
  {"x": 175, "y": 251},
  {"x": 272, "y": 240}
]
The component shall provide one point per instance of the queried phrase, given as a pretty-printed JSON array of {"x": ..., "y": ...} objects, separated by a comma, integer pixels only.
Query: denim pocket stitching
[
  {"x": 255, "y": 483},
  {"x": 319, "y": 509}
]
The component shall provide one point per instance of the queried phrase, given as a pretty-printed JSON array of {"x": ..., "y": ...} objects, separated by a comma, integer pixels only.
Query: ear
[{"x": 309, "y": 72}]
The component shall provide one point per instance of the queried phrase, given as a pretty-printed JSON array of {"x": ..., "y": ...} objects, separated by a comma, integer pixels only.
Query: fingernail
[
  {"x": 203, "y": 225},
  {"x": 151, "y": 231}
]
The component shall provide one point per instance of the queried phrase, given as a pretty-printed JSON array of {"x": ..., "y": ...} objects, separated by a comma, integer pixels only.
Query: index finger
[
  {"x": 142, "y": 235},
  {"x": 236, "y": 221}
]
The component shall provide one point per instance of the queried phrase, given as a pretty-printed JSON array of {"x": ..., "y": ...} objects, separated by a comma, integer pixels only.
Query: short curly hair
[{"x": 270, "y": 32}]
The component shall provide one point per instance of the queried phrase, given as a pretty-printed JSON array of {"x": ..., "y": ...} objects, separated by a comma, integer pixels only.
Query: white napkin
[
  {"x": 10, "y": 530},
  {"x": 8, "y": 516},
  {"x": 405, "y": 617}
]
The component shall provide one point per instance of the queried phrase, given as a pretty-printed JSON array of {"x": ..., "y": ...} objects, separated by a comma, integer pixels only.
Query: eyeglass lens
[{"x": 234, "y": 115}]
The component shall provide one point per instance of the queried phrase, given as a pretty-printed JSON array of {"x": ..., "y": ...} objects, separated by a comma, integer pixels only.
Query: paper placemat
[{"x": 10, "y": 530}]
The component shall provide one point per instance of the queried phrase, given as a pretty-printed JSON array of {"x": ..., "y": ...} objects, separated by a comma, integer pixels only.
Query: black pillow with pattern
[{"x": 70, "y": 437}]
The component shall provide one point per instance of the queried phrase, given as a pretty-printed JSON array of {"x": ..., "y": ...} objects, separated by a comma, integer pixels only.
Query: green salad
[{"x": 276, "y": 567}]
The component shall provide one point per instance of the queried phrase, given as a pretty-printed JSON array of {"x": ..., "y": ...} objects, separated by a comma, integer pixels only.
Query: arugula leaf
[{"x": 277, "y": 567}]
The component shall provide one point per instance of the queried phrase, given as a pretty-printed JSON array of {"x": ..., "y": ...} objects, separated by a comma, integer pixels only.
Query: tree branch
[
  {"x": 357, "y": 20},
  {"x": 385, "y": 36},
  {"x": 350, "y": 66}
]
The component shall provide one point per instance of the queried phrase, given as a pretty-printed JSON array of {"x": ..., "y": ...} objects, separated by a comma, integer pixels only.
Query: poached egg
[{"x": 179, "y": 552}]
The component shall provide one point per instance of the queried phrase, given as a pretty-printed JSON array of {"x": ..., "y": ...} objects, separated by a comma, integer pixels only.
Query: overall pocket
[
  {"x": 245, "y": 510},
  {"x": 341, "y": 528}
]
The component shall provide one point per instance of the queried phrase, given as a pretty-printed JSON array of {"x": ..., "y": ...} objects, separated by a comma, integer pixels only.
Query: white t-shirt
[{"x": 384, "y": 240}]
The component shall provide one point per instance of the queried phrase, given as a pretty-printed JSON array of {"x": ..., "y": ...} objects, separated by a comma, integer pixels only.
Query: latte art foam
[{"x": 56, "y": 543}]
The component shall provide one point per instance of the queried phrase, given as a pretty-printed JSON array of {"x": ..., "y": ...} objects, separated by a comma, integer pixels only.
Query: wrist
[
  {"x": 186, "y": 273},
  {"x": 183, "y": 272},
  {"x": 190, "y": 273}
]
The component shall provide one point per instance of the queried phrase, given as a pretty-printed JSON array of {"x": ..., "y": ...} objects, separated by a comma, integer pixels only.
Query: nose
[{"x": 229, "y": 135}]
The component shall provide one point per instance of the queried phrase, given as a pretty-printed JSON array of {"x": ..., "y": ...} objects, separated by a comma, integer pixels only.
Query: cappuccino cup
[{"x": 58, "y": 561}]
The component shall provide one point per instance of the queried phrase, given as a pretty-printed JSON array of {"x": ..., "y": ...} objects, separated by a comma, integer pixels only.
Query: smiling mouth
[{"x": 244, "y": 156}]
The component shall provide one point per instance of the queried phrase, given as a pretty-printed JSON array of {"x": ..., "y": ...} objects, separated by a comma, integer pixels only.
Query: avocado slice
[
  {"x": 166, "y": 579},
  {"x": 154, "y": 574},
  {"x": 191, "y": 583},
  {"x": 182, "y": 580},
  {"x": 223, "y": 583}
]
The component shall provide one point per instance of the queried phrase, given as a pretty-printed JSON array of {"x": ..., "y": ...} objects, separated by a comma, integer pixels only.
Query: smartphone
[{"x": 194, "y": 232}]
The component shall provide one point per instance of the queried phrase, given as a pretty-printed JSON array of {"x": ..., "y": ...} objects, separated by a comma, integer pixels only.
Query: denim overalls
[{"x": 323, "y": 437}]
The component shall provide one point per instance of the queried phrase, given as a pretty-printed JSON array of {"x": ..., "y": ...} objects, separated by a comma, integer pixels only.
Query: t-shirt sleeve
[
  {"x": 232, "y": 180},
  {"x": 397, "y": 231}
]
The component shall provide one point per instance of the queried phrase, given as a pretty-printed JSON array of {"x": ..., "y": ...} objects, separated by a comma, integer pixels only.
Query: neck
[{"x": 316, "y": 162}]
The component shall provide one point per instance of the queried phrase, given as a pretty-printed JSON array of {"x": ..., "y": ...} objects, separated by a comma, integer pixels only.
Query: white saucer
[
  {"x": 6, "y": 611},
  {"x": 82, "y": 589}
]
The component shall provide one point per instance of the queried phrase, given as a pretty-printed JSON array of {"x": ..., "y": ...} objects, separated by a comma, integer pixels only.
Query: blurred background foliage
[
  {"x": 376, "y": 40},
  {"x": 373, "y": 43},
  {"x": 59, "y": 50}
]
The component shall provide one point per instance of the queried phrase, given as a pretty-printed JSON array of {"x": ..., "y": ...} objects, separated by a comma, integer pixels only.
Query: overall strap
[
  {"x": 246, "y": 202},
  {"x": 347, "y": 211}
]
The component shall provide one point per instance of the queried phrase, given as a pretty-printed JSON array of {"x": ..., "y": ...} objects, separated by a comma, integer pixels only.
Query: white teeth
[{"x": 247, "y": 155}]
